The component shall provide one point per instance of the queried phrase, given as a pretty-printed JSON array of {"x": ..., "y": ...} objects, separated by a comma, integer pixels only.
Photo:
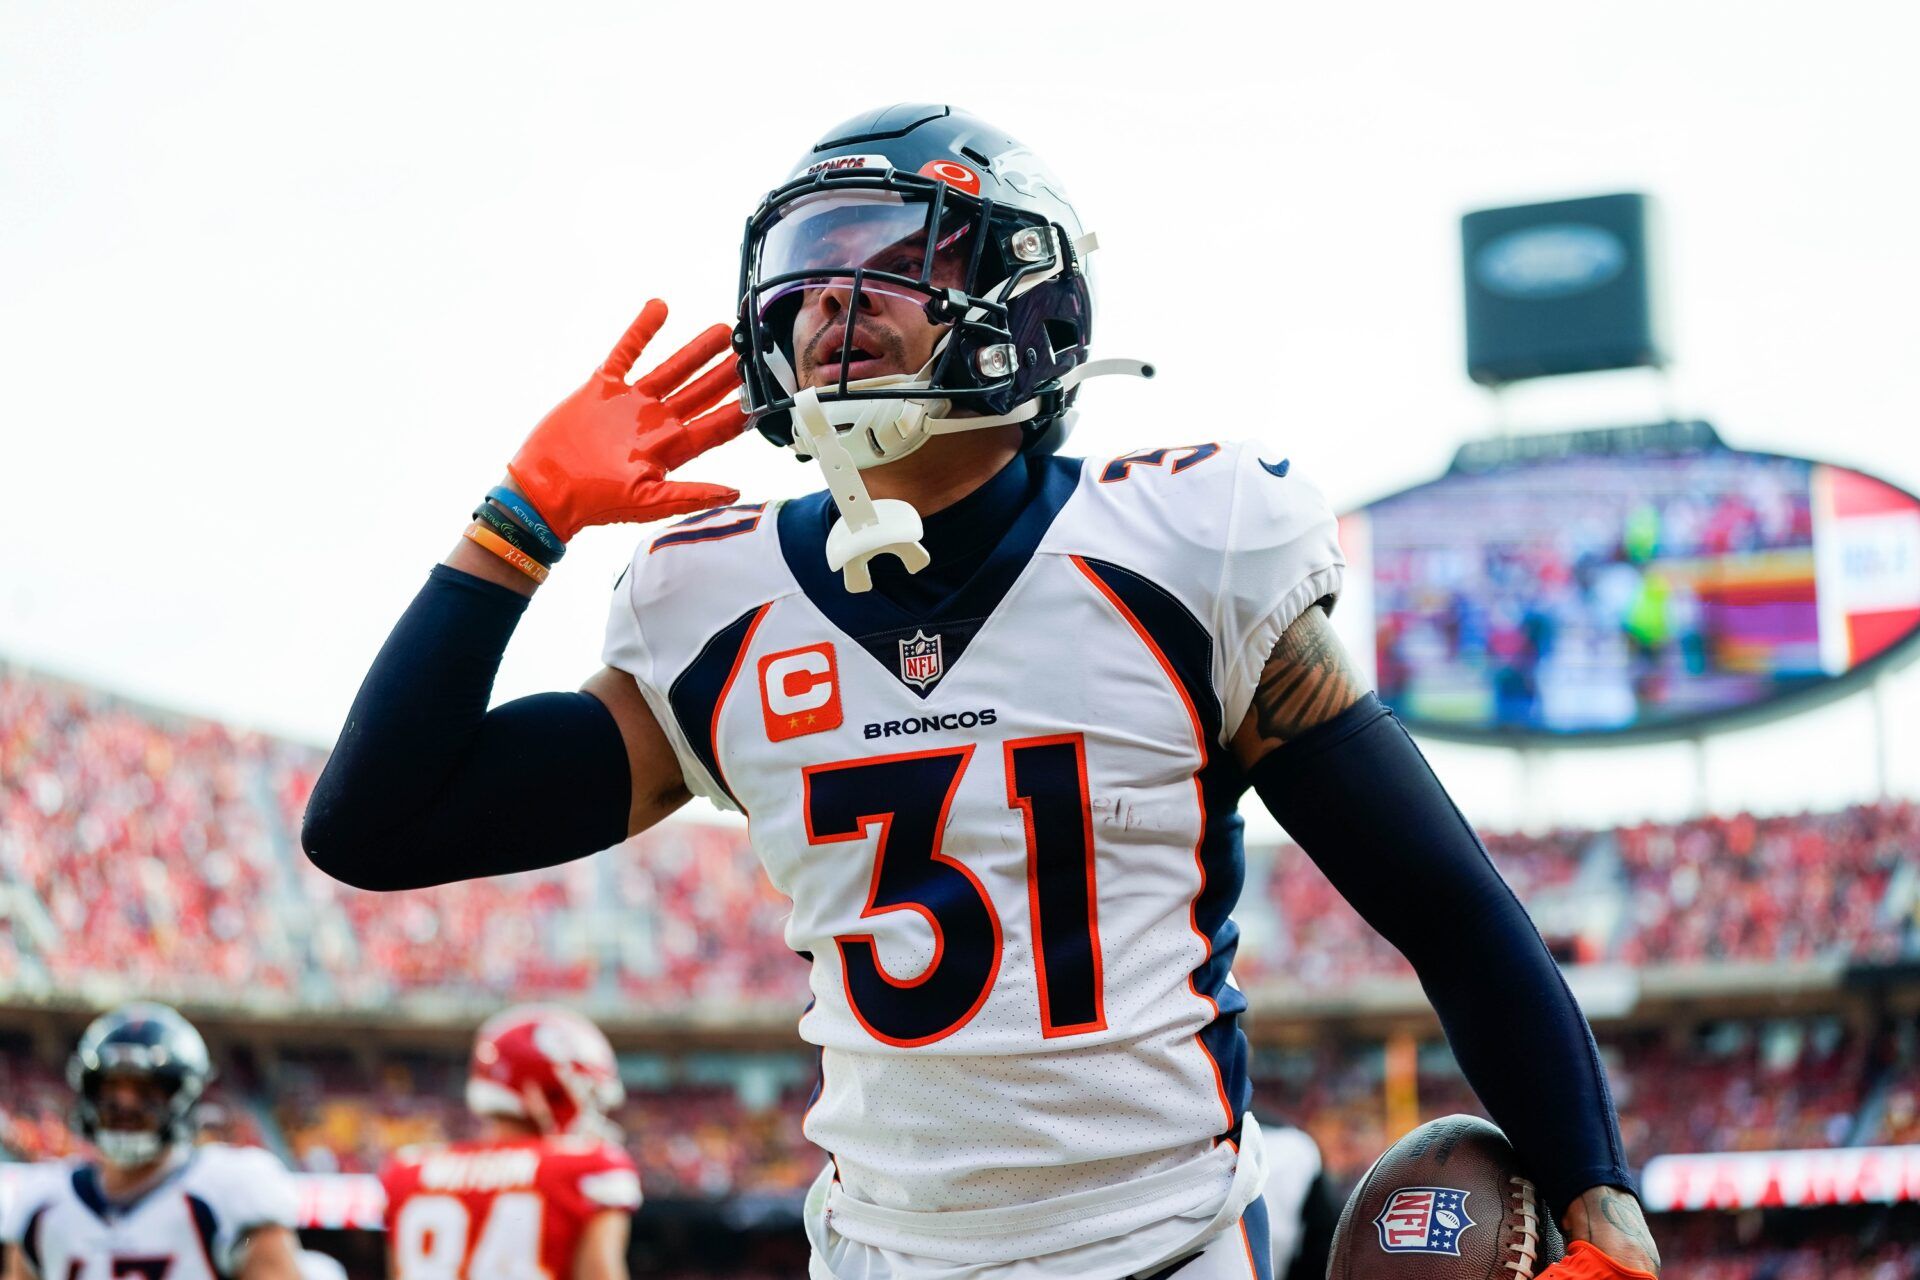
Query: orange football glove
[
  {"x": 1586, "y": 1261},
  {"x": 602, "y": 456}
]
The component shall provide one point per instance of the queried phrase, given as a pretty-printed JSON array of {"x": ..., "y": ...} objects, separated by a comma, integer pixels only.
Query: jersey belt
[{"x": 976, "y": 1225}]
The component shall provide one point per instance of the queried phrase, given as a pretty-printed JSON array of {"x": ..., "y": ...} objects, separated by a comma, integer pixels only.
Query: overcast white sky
[{"x": 282, "y": 286}]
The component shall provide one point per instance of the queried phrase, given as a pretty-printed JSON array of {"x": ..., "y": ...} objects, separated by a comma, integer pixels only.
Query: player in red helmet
[
  {"x": 547, "y": 1067},
  {"x": 546, "y": 1190}
]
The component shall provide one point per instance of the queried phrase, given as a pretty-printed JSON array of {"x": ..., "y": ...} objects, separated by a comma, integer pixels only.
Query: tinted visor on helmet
[{"x": 878, "y": 257}]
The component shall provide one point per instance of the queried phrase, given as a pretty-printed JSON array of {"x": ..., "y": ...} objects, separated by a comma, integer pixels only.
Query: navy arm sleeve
[
  {"x": 1359, "y": 797},
  {"x": 426, "y": 785}
]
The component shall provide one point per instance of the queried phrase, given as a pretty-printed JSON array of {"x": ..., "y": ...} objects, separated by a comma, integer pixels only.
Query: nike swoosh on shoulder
[{"x": 1276, "y": 468}]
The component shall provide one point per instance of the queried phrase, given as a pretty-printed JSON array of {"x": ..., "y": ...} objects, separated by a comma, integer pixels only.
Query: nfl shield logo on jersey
[
  {"x": 1424, "y": 1220},
  {"x": 920, "y": 659}
]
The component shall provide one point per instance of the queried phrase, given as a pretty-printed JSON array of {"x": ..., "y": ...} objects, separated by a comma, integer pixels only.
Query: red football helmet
[{"x": 548, "y": 1066}]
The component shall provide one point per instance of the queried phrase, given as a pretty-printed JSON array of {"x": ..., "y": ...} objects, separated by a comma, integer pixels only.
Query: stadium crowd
[
  {"x": 1723, "y": 1086},
  {"x": 1841, "y": 1257},
  {"x": 195, "y": 827},
  {"x": 337, "y": 1114},
  {"x": 1845, "y": 1244},
  {"x": 1785, "y": 888},
  {"x": 133, "y": 846},
  {"x": 146, "y": 852}
]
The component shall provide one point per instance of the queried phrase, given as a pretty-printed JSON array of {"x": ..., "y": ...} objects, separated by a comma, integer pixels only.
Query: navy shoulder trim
[
  {"x": 205, "y": 1225},
  {"x": 30, "y": 1239},
  {"x": 86, "y": 1187},
  {"x": 1175, "y": 632},
  {"x": 698, "y": 691}
]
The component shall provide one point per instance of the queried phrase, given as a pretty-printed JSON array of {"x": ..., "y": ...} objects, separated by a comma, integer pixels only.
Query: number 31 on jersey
[{"x": 907, "y": 797}]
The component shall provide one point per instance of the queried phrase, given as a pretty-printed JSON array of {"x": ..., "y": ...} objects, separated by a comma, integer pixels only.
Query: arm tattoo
[
  {"x": 1623, "y": 1212},
  {"x": 1307, "y": 681}
]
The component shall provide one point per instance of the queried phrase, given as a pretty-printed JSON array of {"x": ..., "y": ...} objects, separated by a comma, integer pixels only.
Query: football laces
[{"x": 1526, "y": 1242}]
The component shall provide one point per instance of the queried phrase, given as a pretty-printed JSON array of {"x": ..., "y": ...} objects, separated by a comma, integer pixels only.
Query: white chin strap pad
[
  {"x": 866, "y": 528},
  {"x": 939, "y": 426},
  {"x": 889, "y": 527}
]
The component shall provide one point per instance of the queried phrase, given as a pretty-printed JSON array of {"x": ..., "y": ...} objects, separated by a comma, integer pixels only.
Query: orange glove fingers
[
  {"x": 684, "y": 497},
  {"x": 685, "y": 362},
  {"x": 601, "y": 455},
  {"x": 620, "y": 361},
  {"x": 704, "y": 392},
  {"x": 703, "y": 433}
]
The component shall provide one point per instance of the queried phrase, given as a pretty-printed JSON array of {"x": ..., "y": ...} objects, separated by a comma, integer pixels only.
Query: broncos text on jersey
[
  {"x": 1007, "y": 828},
  {"x": 190, "y": 1225}
]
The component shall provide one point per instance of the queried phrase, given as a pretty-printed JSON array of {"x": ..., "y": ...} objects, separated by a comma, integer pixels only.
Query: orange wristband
[{"x": 477, "y": 532}]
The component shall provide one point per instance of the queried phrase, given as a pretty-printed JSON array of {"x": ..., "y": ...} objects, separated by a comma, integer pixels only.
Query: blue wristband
[{"x": 523, "y": 512}]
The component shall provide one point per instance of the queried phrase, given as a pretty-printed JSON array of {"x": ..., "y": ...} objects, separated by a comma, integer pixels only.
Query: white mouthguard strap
[{"x": 866, "y": 528}]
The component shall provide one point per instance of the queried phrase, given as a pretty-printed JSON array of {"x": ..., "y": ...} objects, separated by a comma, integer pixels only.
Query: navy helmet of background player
[
  {"x": 919, "y": 274},
  {"x": 138, "y": 1074},
  {"x": 156, "y": 1050}
]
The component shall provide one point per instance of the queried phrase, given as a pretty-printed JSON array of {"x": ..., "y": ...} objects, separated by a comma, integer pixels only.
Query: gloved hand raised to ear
[{"x": 602, "y": 455}]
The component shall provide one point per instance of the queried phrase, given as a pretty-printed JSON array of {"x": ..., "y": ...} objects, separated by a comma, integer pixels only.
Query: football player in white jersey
[
  {"x": 153, "y": 1205},
  {"x": 989, "y": 711}
]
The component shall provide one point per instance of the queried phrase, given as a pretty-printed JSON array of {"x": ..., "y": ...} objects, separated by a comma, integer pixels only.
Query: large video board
[{"x": 1592, "y": 591}]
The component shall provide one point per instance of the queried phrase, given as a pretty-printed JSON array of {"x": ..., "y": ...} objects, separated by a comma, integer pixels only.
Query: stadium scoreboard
[{"x": 1649, "y": 581}]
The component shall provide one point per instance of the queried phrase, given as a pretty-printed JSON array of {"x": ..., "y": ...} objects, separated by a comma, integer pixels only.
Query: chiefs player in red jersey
[{"x": 547, "y": 1192}]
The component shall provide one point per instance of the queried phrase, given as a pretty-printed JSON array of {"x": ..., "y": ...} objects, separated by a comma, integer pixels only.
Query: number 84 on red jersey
[{"x": 489, "y": 1209}]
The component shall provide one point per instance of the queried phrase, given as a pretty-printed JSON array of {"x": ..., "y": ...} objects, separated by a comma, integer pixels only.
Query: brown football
[{"x": 1447, "y": 1202}]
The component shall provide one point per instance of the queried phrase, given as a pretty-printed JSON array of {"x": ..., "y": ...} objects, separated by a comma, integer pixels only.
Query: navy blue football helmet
[
  {"x": 928, "y": 204},
  {"x": 150, "y": 1042}
]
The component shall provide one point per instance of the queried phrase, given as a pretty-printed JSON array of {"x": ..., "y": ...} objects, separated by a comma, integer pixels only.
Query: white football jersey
[
  {"x": 1007, "y": 828},
  {"x": 191, "y": 1225}
]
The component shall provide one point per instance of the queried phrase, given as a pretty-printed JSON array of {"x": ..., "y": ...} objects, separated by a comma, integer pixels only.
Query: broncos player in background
[
  {"x": 1303, "y": 1208},
  {"x": 989, "y": 711},
  {"x": 546, "y": 1191},
  {"x": 154, "y": 1205}
]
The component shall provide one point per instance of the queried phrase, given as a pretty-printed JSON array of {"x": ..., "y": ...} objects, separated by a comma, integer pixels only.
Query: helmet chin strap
[
  {"x": 867, "y": 527},
  {"x": 885, "y": 430},
  {"x": 943, "y": 426},
  {"x": 882, "y": 430},
  {"x": 870, "y": 527}
]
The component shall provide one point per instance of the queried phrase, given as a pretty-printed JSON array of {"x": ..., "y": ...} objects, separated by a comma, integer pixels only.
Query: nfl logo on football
[
  {"x": 920, "y": 659},
  {"x": 1424, "y": 1220}
]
